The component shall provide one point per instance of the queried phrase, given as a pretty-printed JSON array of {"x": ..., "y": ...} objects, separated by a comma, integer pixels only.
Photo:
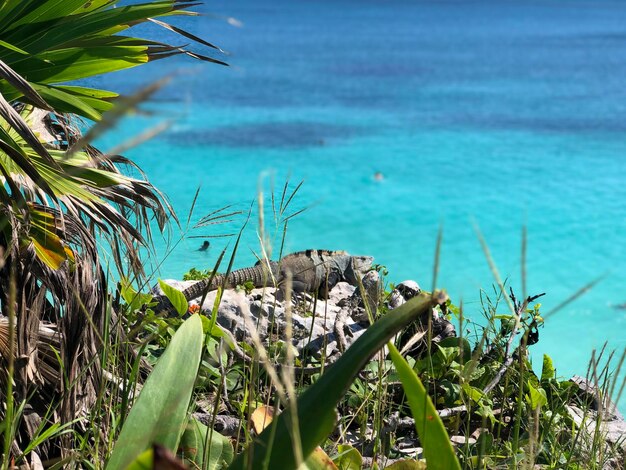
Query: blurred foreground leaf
[
  {"x": 438, "y": 450},
  {"x": 160, "y": 413}
]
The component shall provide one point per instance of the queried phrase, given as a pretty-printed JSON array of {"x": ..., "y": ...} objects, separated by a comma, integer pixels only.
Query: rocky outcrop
[
  {"x": 599, "y": 421},
  {"x": 321, "y": 328}
]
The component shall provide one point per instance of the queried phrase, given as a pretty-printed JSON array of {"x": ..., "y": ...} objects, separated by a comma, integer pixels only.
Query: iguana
[{"x": 312, "y": 271}]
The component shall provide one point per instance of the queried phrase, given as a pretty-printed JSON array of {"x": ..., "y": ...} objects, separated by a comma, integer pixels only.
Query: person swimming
[{"x": 205, "y": 246}]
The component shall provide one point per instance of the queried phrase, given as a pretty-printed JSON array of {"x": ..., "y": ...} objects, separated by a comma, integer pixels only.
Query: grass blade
[{"x": 434, "y": 439}]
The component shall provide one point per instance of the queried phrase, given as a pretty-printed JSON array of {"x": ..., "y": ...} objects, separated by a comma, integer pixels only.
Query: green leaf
[
  {"x": 144, "y": 461},
  {"x": 485, "y": 442},
  {"x": 88, "y": 92},
  {"x": 12, "y": 48},
  {"x": 49, "y": 10},
  {"x": 438, "y": 450},
  {"x": 536, "y": 397},
  {"x": 176, "y": 297},
  {"x": 316, "y": 406},
  {"x": 134, "y": 299},
  {"x": 65, "y": 102},
  {"x": 463, "y": 345},
  {"x": 191, "y": 447},
  {"x": 547, "y": 370},
  {"x": 75, "y": 63},
  {"x": 160, "y": 413},
  {"x": 96, "y": 22},
  {"x": 348, "y": 458},
  {"x": 100, "y": 100},
  {"x": 475, "y": 394}
]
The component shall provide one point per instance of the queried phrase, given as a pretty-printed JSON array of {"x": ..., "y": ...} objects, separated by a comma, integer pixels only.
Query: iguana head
[{"x": 357, "y": 268}]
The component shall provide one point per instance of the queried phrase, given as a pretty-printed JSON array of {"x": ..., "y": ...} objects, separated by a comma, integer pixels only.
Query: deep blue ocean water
[{"x": 496, "y": 114}]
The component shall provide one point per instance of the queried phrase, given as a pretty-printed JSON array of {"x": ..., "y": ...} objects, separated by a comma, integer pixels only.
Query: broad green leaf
[
  {"x": 536, "y": 397},
  {"x": 474, "y": 393},
  {"x": 547, "y": 371},
  {"x": 348, "y": 458},
  {"x": 21, "y": 128},
  {"x": 438, "y": 450},
  {"x": 191, "y": 447},
  {"x": 95, "y": 177},
  {"x": 15, "y": 160},
  {"x": 160, "y": 413},
  {"x": 316, "y": 406},
  {"x": 175, "y": 296},
  {"x": 134, "y": 299},
  {"x": 109, "y": 41},
  {"x": 262, "y": 417}
]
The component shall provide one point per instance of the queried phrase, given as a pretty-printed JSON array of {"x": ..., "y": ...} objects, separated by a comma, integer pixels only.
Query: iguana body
[{"x": 313, "y": 271}]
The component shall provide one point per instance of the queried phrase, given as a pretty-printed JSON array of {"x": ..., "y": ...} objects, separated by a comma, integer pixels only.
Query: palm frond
[{"x": 60, "y": 198}]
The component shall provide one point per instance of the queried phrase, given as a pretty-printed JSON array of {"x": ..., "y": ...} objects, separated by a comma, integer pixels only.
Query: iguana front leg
[{"x": 338, "y": 329}]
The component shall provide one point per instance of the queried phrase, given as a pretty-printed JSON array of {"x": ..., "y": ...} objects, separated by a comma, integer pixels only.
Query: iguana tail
[{"x": 259, "y": 275}]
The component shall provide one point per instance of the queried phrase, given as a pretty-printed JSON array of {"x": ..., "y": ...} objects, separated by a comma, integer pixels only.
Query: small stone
[
  {"x": 404, "y": 291},
  {"x": 476, "y": 434},
  {"x": 415, "y": 452},
  {"x": 353, "y": 438},
  {"x": 462, "y": 440},
  {"x": 408, "y": 289},
  {"x": 340, "y": 293},
  {"x": 371, "y": 285},
  {"x": 395, "y": 299}
]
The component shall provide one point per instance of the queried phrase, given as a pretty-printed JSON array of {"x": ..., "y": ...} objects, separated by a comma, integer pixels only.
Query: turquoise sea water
[{"x": 494, "y": 113}]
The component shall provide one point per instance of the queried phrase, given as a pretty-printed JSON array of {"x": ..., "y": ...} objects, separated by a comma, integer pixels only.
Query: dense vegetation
[{"x": 94, "y": 375}]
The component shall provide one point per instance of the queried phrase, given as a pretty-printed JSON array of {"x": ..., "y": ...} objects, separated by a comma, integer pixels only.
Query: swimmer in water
[
  {"x": 205, "y": 246},
  {"x": 378, "y": 176}
]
